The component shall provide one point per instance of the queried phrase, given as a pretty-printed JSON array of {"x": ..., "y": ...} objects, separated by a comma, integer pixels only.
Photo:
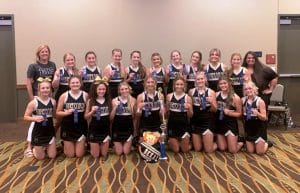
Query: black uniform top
[
  {"x": 199, "y": 100},
  {"x": 159, "y": 76},
  {"x": 88, "y": 77},
  {"x": 254, "y": 127},
  {"x": 103, "y": 109},
  {"x": 247, "y": 108},
  {"x": 202, "y": 116},
  {"x": 178, "y": 121},
  {"x": 43, "y": 132},
  {"x": 191, "y": 77},
  {"x": 116, "y": 78},
  {"x": 63, "y": 86},
  {"x": 44, "y": 109},
  {"x": 238, "y": 82},
  {"x": 221, "y": 104},
  {"x": 173, "y": 72},
  {"x": 150, "y": 118},
  {"x": 213, "y": 74},
  {"x": 136, "y": 77},
  {"x": 74, "y": 125}
]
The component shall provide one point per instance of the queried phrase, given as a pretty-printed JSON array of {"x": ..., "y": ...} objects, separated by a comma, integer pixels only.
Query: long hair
[
  {"x": 233, "y": 55},
  {"x": 199, "y": 66},
  {"x": 74, "y": 68},
  {"x": 90, "y": 52},
  {"x": 179, "y": 78},
  {"x": 229, "y": 99},
  {"x": 218, "y": 51},
  {"x": 142, "y": 70},
  {"x": 119, "y": 64},
  {"x": 124, "y": 83},
  {"x": 93, "y": 94},
  {"x": 257, "y": 63}
]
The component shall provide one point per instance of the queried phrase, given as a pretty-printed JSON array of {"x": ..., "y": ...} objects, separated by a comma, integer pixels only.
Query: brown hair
[
  {"x": 229, "y": 99},
  {"x": 93, "y": 94},
  {"x": 88, "y": 53},
  {"x": 142, "y": 70},
  {"x": 199, "y": 66}
]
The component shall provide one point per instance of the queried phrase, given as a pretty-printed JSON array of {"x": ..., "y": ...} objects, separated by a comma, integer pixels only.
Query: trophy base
[{"x": 163, "y": 158}]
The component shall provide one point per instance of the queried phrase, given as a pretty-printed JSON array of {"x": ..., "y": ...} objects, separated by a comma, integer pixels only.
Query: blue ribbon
[{"x": 75, "y": 116}]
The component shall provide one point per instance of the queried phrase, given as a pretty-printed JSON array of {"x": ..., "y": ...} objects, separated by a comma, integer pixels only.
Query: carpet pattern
[{"x": 277, "y": 171}]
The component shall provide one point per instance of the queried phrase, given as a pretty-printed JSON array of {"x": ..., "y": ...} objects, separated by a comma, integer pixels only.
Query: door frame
[{"x": 13, "y": 66}]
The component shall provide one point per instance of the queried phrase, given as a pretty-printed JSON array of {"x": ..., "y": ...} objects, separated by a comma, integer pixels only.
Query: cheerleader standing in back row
[
  {"x": 70, "y": 108},
  {"x": 40, "y": 111},
  {"x": 193, "y": 68},
  {"x": 174, "y": 69},
  {"x": 215, "y": 69},
  {"x": 255, "y": 116},
  {"x": 157, "y": 71},
  {"x": 204, "y": 105},
  {"x": 135, "y": 74},
  {"x": 114, "y": 72},
  {"x": 62, "y": 75},
  {"x": 180, "y": 110},
  {"x": 238, "y": 74},
  {"x": 122, "y": 116},
  {"x": 229, "y": 109},
  {"x": 97, "y": 111},
  {"x": 90, "y": 71}
]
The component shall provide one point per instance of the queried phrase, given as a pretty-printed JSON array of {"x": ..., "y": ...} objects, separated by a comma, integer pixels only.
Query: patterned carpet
[{"x": 277, "y": 171}]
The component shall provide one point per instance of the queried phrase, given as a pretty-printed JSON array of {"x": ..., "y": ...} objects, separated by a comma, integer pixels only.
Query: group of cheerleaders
[{"x": 202, "y": 104}]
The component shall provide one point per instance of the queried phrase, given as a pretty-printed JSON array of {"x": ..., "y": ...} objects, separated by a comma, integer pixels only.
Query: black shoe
[{"x": 270, "y": 144}]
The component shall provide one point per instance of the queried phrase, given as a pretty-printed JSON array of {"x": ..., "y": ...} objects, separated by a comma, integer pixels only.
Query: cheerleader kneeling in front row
[
  {"x": 97, "y": 112},
  {"x": 122, "y": 117},
  {"x": 180, "y": 109},
  {"x": 255, "y": 117},
  {"x": 40, "y": 111}
]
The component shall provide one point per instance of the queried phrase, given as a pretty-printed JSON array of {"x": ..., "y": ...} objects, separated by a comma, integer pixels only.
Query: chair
[{"x": 279, "y": 112}]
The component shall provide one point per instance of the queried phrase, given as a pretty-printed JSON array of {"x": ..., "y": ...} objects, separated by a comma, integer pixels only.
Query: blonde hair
[
  {"x": 215, "y": 50},
  {"x": 124, "y": 83},
  {"x": 39, "y": 49},
  {"x": 251, "y": 85},
  {"x": 44, "y": 81}
]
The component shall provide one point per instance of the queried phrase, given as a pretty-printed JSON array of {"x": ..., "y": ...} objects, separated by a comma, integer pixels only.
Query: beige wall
[
  {"x": 289, "y": 7},
  {"x": 80, "y": 25}
]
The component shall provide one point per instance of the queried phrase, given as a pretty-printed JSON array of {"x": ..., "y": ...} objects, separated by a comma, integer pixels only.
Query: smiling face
[
  {"x": 135, "y": 58},
  {"x": 90, "y": 59},
  {"x": 45, "y": 89},
  {"x": 176, "y": 57},
  {"x": 74, "y": 83},
  {"x": 156, "y": 60},
  {"x": 236, "y": 60},
  {"x": 250, "y": 60},
  {"x": 124, "y": 90},
  {"x": 195, "y": 58},
  {"x": 223, "y": 85},
  {"x": 150, "y": 84},
  {"x": 101, "y": 90},
  {"x": 179, "y": 85},
  {"x": 69, "y": 60},
  {"x": 200, "y": 80},
  {"x": 214, "y": 57},
  {"x": 44, "y": 54},
  {"x": 116, "y": 57}
]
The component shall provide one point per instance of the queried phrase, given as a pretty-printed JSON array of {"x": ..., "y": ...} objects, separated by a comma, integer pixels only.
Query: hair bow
[
  {"x": 99, "y": 80},
  {"x": 46, "y": 79}
]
